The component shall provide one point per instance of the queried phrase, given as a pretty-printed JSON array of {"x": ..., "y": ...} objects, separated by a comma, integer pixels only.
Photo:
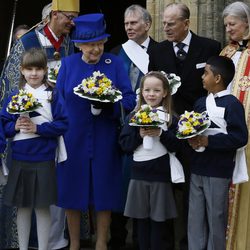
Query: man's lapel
[
  {"x": 194, "y": 52},
  {"x": 169, "y": 54},
  {"x": 152, "y": 42}
]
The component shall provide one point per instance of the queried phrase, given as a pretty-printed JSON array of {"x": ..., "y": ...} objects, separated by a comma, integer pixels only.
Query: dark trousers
[
  {"x": 118, "y": 230},
  {"x": 118, "y": 226},
  {"x": 152, "y": 234},
  {"x": 181, "y": 191}
]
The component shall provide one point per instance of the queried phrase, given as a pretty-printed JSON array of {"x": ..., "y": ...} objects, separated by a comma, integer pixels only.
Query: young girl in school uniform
[
  {"x": 150, "y": 197},
  {"x": 32, "y": 178}
]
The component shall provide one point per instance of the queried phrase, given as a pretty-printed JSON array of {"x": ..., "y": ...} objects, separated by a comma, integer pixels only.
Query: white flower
[{"x": 174, "y": 82}]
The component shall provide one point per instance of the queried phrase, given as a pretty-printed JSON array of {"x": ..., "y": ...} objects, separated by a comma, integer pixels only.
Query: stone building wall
[{"x": 205, "y": 19}]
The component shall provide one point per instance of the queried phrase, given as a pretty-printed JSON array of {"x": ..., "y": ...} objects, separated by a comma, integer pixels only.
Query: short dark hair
[{"x": 224, "y": 66}]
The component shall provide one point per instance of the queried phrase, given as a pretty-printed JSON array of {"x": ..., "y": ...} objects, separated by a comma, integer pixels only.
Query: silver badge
[{"x": 108, "y": 61}]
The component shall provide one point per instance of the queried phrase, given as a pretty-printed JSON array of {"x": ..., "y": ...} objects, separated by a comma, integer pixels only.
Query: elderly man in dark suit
[
  {"x": 137, "y": 22},
  {"x": 185, "y": 54}
]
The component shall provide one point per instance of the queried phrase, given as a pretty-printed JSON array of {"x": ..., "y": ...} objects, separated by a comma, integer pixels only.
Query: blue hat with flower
[{"x": 89, "y": 28}]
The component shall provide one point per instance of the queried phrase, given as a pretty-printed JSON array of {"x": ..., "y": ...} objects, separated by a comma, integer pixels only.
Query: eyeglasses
[
  {"x": 70, "y": 17},
  {"x": 173, "y": 23}
]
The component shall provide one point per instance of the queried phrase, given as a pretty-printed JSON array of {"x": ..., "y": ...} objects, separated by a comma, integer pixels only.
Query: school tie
[{"x": 181, "y": 53}]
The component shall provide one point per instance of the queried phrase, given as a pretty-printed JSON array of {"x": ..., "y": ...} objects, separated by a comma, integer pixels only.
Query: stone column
[
  {"x": 155, "y": 7},
  {"x": 210, "y": 23}
]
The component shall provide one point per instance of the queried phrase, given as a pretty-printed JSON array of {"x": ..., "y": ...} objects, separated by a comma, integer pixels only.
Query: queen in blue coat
[{"x": 92, "y": 174}]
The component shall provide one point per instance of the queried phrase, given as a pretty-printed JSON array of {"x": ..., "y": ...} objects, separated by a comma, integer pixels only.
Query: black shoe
[{"x": 115, "y": 244}]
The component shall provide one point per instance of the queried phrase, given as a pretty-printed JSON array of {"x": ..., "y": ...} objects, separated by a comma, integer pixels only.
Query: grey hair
[
  {"x": 240, "y": 10},
  {"x": 78, "y": 44},
  {"x": 46, "y": 11},
  {"x": 184, "y": 10},
  {"x": 145, "y": 15}
]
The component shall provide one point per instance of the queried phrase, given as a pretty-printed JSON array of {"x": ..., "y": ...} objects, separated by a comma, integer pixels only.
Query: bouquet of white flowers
[
  {"x": 147, "y": 116},
  {"x": 192, "y": 123},
  {"x": 22, "y": 103},
  {"x": 98, "y": 88}
]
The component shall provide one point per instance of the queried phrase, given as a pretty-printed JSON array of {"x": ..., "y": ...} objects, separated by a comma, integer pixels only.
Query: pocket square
[{"x": 200, "y": 65}]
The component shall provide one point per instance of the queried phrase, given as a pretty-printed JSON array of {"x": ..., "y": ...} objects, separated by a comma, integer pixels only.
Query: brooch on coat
[{"x": 108, "y": 61}]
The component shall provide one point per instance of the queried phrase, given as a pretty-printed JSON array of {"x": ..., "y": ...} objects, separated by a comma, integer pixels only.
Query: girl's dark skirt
[{"x": 31, "y": 184}]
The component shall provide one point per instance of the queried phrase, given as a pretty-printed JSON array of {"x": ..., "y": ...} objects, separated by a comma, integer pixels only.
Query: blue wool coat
[{"x": 92, "y": 173}]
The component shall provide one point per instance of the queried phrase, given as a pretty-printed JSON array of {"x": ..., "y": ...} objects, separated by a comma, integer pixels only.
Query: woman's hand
[
  {"x": 198, "y": 141},
  {"x": 26, "y": 125},
  {"x": 149, "y": 131},
  {"x": 102, "y": 105}
]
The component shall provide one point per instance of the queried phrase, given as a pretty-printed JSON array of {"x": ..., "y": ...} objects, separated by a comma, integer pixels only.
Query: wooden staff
[{"x": 11, "y": 28}]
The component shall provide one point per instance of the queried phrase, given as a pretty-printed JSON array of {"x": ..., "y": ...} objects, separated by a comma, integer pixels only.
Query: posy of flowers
[
  {"x": 146, "y": 116},
  {"x": 98, "y": 87},
  {"x": 23, "y": 102},
  {"x": 191, "y": 124}
]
